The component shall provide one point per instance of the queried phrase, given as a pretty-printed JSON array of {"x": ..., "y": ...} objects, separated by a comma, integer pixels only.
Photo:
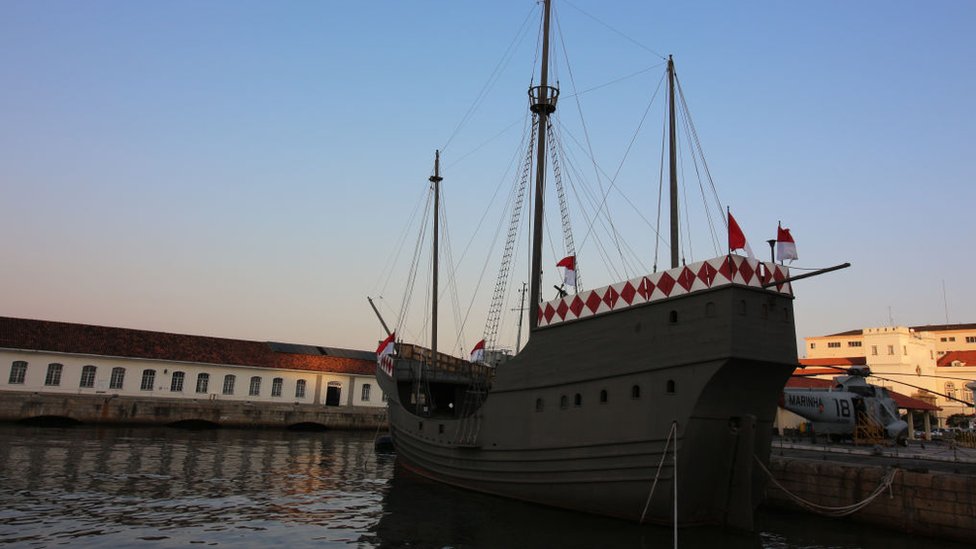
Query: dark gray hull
[{"x": 581, "y": 417}]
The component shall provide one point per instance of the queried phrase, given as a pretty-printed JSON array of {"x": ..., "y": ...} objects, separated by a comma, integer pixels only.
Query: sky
[{"x": 250, "y": 169}]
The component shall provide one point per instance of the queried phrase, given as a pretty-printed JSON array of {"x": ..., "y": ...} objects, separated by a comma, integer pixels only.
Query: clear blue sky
[{"x": 243, "y": 169}]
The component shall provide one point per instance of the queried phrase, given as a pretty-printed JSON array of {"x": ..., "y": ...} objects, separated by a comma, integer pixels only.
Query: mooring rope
[
  {"x": 664, "y": 455},
  {"x": 842, "y": 511}
]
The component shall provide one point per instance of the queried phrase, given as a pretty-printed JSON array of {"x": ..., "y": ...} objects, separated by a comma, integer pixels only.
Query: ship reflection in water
[{"x": 165, "y": 487}]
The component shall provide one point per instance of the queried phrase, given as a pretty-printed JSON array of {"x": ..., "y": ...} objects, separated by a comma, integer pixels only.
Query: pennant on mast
[
  {"x": 785, "y": 245},
  {"x": 569, "y": 275}
]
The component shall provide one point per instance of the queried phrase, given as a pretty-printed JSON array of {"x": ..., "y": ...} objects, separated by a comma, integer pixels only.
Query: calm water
[{"x": 115, "y": 487}]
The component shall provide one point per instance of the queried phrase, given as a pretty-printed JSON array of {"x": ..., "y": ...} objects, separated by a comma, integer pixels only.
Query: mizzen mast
[
  {"x": 436, "y": 180},
  {"x": 542, "y": 103},
  {"x": 673, "y": 146}
]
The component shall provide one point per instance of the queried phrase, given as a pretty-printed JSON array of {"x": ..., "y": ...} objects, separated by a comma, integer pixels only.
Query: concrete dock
[{"x": 925, "y": 489}]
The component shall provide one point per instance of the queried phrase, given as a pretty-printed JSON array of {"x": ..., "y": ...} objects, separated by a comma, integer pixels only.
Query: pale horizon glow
[{"x": 244, "y": 169}]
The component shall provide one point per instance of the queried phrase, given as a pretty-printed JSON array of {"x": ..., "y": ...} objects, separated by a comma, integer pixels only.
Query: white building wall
[
  {"x": 350, "y": 385},
  {"x": 901, "y": 354}
]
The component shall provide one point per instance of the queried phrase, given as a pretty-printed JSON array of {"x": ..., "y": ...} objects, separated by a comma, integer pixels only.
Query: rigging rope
[
  {"x": 504, "y": 270},
  {"x": 626, "y": 37},
  {"x": 492, "y": 78},
  {"x": 563, "y": 207}
]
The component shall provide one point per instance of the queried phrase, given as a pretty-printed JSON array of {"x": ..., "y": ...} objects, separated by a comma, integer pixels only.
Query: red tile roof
[
  {"x": 844, "y": 362},
  {"x": 847, "y": 333},
  {"x": 967, "y": 357},
  {"x": 943, "y": 327},
  {"x": 63, "y": 337}
]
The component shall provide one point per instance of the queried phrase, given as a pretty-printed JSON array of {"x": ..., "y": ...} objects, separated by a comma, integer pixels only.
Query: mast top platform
[{"x": 543, "y": 99}]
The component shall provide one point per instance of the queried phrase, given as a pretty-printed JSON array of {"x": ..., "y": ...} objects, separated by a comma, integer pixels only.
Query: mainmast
[
  {"x": 543, "y": 103},
  {"x": 436, "y": 180},
  {"x": 674, "y": 166}
]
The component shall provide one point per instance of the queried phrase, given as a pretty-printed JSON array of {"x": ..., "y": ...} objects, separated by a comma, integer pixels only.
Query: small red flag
[{"x": 736, "y": 237}]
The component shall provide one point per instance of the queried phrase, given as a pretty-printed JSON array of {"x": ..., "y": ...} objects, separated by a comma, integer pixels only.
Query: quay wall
[
  {"x": 920, "y": 502},
  {"x": 117, "y": 409}
]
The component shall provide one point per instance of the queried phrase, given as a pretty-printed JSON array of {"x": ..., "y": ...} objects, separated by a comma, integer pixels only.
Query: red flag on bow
[
  {"x": 569, "y": 276},
  {"x": 384, "y": 353},
  {"x": 785, "y": 246},
  {"x": 478, "y": 353}
]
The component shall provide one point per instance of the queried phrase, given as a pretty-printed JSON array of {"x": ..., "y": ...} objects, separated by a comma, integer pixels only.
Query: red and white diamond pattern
[{"x": 712, "y": 273}]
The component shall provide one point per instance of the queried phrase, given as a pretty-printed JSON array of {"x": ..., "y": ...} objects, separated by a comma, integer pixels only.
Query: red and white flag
[
  {"x": 478, "y": 353},
  {"x": 737, "y": 239},
  {"x": 785, "y": 246},
  {"x": 384, "y": 354},
  {"x": 569, "y": 275}
]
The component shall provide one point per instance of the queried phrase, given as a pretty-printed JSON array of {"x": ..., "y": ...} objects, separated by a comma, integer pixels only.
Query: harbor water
[{"x": 160, "y": 487}]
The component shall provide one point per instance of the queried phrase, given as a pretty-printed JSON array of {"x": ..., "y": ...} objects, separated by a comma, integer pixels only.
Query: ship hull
[{"x": 630, "y": 414}]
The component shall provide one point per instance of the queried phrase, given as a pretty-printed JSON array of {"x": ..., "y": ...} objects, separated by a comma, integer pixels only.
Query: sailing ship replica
[{"x": 650, "y": 399}]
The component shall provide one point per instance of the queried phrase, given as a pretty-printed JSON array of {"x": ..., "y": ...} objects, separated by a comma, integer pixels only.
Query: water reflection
[
  {"x": 421, "y": 513},
  {"x": 105, "y": 487}
]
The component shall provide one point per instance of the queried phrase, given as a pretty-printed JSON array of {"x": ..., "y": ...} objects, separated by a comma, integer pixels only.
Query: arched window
[
  {"x": 563, "y": 402},
  {"x": 365, "y": 392},
  {"x": 117, "y": 379},
  {"x": 950, "y": 389},
  {"x": 539, "y": 405},
  {"x": 300, "y": 388},
  {"x": 255, "y": 388},
  {"x": 148, "y": 380},
  {"x": 53, "y": 377},
  {"x": 203, "y": 382},
  {"x": 276, "y": 385},
  {"x": 578, "y": 400},
  {"x": 176, "y": 382},
  {"x": 229, "y": 381},
  {"x": 603, "y": 396},
  {"x": 742, "y": 307},
  {"x": 710, "y": 309},
  {"x": 635, "y": 391},
  {"x": 671, "y": 388},
  {"x": 18, "y": 371},
  {"x": 673, "y": 317},
  {"x": 87, "y": 376}
]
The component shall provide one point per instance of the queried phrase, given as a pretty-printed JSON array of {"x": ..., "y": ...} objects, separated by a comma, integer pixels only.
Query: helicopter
[{"x": 851, "y": 402}]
